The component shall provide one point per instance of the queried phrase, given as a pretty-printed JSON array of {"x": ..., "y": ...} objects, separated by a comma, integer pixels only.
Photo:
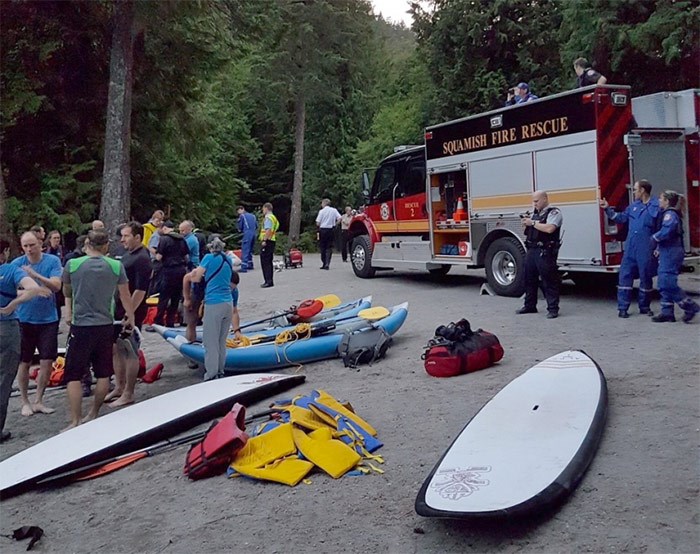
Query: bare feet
[
  {"x": 71, "y": 426},
  {"x": 39, "y": 408},
  {"x": 121, "y": 401},
  {"x": 116, "y": 393},
  {"x": 89, "y": 417},
  {"x": 27, "y": 410}
]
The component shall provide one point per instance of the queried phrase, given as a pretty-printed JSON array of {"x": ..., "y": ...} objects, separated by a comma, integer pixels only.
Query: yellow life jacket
[
  {"x": 275, "y": 226},
  {"x": 148, "y": 230}
]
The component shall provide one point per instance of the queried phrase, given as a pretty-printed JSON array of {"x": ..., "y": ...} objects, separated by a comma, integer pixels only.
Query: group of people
[
  {"x": 30, "y": 315},
  {"x": 105, "y": 284},
  {"x": 585, "y": 76},
  {"x": 326, "y": 221},
  {"x": 654, "y": 246}
]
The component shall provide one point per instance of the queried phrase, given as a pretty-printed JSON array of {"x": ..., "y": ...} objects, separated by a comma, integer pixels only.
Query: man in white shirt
[{"x": 326, "y": 220}]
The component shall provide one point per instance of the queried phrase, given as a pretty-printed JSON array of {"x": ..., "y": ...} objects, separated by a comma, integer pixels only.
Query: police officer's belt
[{"x": 540, "y": 244}]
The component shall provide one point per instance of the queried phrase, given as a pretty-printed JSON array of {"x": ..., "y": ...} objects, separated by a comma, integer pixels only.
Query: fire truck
[{"x": 458, "y": 199}]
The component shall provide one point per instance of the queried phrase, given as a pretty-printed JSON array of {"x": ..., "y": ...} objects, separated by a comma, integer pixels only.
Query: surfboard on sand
[
  {"x": 136, "y": 426},
  {"x": 527, "y": 448}
]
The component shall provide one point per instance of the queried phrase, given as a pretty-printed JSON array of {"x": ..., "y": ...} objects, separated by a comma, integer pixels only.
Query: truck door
[
  {"x": 409, "y": 202},
  {"x": 381, "y": 209}
]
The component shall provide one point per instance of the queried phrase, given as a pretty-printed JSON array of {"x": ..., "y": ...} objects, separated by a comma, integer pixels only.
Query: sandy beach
[{"x": 640, "y": 494}]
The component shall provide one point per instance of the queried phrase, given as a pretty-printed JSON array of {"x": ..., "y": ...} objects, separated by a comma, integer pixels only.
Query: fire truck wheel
[
  {"x": 361, "y": 256},
  {"x": 505, "y": 267}
]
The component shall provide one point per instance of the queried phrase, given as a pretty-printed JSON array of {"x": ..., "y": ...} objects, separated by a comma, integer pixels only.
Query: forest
[{"x": 114, "y": 108}]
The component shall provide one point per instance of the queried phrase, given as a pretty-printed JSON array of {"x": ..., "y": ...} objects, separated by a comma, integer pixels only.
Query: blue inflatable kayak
[
  {"x": 349, "y": 309},
  {"x": 259, "y": 357}
]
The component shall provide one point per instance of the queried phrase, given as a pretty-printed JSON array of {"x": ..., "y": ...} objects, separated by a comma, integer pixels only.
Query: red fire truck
[{"x": 457, "y": 200}]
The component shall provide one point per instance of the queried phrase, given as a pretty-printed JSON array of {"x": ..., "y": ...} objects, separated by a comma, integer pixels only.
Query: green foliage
[
  {"x": 651, "y": 45},
  {"x": 475, "y": 50},
  {"x": 216, "y": 81}
]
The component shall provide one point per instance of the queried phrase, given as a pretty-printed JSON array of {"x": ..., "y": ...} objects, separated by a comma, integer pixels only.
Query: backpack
[
  {"x": 364, "y": 347},
  {"x": 456, "y": 349}
]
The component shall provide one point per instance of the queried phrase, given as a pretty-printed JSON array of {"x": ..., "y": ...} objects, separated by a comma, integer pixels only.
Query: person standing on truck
[
  {"x": 638, "y": 260},
  {"x": 542, "y": 232},
  {"x": 586, "y": 75},
  {"x": 520, "y": 94},
  {"x": 670, "y": 252},
  {"x": 327, "y": 218}
]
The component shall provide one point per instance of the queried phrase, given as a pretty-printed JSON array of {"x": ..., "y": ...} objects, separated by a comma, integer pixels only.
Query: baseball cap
[{"x": 523, "y": 85}]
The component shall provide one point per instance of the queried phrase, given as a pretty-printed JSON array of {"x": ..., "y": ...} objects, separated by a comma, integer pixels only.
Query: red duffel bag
[
  {"x": 457, "y": 349},
  {"x": 442, "y": 361}
]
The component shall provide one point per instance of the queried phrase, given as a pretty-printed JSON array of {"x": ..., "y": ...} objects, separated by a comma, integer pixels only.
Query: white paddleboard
[
  {"x": 527, "y": 448},
  {"x": 137, "y": 426}
]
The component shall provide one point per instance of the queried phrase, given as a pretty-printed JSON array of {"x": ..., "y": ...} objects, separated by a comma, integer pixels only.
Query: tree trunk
[
  {"x": 295, "y": 217},
  {"x": 115, "y": 206}
]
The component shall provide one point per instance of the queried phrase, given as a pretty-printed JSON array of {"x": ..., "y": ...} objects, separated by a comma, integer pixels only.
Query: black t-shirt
[
  {"x": 174, "y": 250},
  {"x": 137, "y": 265}
]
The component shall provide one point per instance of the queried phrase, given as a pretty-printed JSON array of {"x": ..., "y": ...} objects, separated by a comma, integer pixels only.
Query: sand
[{"x": 640, "y": 494}]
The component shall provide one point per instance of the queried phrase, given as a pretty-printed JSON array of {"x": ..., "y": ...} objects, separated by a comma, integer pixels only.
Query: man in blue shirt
[
  {"x": 11, "y": 279},
  {"x": 187, "y": 231},
  {"x": 248, "y": 225},
  {"x": 520, "y": 95},
  {"x": 38, "y": 321}
]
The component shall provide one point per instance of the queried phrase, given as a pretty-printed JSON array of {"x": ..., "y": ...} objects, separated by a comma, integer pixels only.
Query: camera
[{"x": 511, "y": 91}]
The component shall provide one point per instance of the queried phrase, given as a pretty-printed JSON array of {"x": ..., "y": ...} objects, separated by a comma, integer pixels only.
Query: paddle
[
  {"x": 104, "y": 467},
  {"x": 321, "y": 328},
  {"x": 322, "y": 302}
]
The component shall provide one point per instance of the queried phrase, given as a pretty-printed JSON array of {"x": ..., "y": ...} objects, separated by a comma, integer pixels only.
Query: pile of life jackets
[{"x": 313, "y": 431}]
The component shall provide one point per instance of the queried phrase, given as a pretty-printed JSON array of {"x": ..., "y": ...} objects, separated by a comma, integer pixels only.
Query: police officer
[
  {"x": 268, "y": 233},
  {"x": 670, "y": 251},
  {"x": 542, "y": 232},
  {"x": 586, "y": 75},
  {"x": 642, "y": 216}
]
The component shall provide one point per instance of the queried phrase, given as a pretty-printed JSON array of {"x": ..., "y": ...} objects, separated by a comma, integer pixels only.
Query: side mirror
[{"x": 366, "y": 187}]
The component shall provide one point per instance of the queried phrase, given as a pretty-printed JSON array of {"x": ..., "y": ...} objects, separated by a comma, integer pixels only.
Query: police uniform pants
[
  {"x": 267, "y": 252},
  {"x": 541, "y": 263},
  {"x": 9, "y": 362}
]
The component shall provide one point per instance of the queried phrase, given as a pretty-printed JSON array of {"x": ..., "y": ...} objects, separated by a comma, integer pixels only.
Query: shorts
[
  {"x": 89, "y": 346},
  {"x": 191, "y": 314},
  {"x": 39, "y": 336}
]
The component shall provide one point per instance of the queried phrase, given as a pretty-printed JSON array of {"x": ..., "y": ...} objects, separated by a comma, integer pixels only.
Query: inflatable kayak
[
  {"x": 268, "y": 355},
  {"x": 271, "y": 328}
]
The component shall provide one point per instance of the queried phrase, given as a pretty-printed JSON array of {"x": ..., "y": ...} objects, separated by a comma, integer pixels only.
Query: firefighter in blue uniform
[
  {"x": 542, "y": 233},
  {"x": 248, "y": 225},
  {"x": 638, "y": 261},
  {"x": 670, "y": 251}
]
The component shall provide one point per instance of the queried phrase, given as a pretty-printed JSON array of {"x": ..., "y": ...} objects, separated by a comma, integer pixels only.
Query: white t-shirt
[{"x": 327, "y": 217}]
